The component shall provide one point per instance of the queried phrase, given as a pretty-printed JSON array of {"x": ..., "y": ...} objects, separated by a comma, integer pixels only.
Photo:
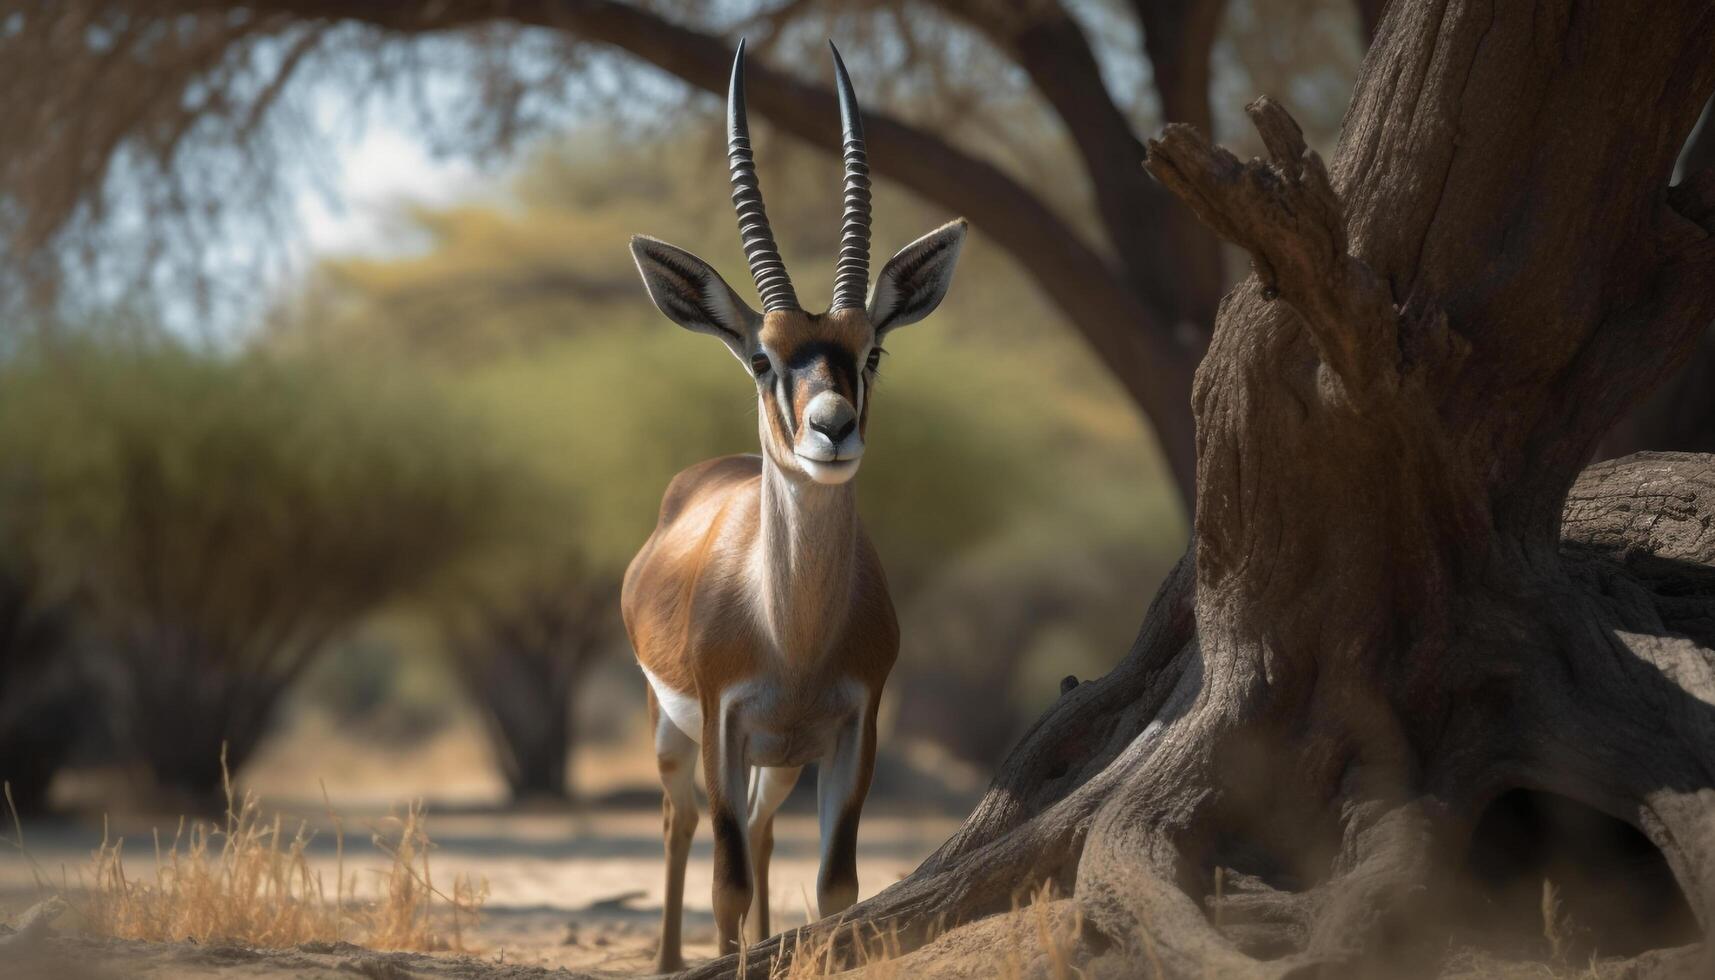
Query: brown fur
[{"x": 688, "y": 597}]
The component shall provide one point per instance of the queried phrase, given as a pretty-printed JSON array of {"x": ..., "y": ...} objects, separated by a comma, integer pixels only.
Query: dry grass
[
  {"x": 248, "y": 881},
  {"x": 1553, "y": 927},
  {"x": 877, "y": 955}
]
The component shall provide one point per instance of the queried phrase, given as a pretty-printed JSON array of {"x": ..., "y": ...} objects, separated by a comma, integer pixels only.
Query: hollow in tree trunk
[{"x": 1401, "y": 602}]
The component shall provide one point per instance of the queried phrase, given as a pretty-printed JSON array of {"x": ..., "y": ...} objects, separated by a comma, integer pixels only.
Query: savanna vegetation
[
  {"x": 206, "y": 524},
  {"x": 1413, "y": 622},
  {"x": 442, "y": 462}
]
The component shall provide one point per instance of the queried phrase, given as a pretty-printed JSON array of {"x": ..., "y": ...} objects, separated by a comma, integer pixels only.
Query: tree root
[
  {"x": 1368, "y": 909},
  {"x": 1091, "y": 724},
  {"x": 1128, "y": 881},
  {"x": 1262, "y": 921}
]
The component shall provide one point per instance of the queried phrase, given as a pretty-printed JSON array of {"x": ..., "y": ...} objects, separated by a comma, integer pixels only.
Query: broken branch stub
[{"x": 1285, "y": 213}]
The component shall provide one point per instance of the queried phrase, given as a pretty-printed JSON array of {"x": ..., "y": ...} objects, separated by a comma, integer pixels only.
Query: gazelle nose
[
  {"x": 836, "y": 429},
  {"x": 832, "y": 416}
]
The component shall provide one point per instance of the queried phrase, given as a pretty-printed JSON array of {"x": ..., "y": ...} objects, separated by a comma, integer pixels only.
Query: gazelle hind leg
[
  {"x": 676, "y": 759},
  {"x": 769, "y": 788}
]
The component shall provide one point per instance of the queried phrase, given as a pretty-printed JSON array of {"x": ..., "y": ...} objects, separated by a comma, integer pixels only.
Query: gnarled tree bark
[{"x": 1402, "y": 601}]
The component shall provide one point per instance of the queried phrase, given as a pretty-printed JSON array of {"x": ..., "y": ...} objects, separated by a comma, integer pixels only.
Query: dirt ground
[
  {"x": 576, "y": 895},
  {"x": 571, "y": 891},
  {"x": 579, "y": 892}
]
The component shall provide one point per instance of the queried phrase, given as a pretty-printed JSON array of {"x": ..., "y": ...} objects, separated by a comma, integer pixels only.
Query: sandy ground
[
  {"x": 569, "y": 890},
  {"x": 578, "y": 894},
  {"x": 576, "y": 891}
]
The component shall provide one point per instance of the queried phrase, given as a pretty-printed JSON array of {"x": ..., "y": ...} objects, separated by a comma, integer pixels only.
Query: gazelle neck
[{"x": 806, "y": 560}]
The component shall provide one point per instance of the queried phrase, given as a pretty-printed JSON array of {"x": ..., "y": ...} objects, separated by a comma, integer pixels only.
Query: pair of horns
[{"x": 851, "y": 274}]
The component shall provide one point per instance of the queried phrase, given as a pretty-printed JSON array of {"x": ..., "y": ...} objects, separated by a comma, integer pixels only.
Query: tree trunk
[
  {"x": 42, "y": 686},
  {"x": 1680, "y": 415},
  {"x": 523, "y": 659},
  {"x": 191, "y": 723},
  {"x": 1397, "y": 607},
  {"x": 526, "y": 697}
]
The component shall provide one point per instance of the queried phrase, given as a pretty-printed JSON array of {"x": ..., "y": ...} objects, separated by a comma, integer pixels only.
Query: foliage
[{"x": 226, "y": 516}]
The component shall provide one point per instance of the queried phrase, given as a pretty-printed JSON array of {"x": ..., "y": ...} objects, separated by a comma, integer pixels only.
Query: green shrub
[{"x": 226, "y": 516}]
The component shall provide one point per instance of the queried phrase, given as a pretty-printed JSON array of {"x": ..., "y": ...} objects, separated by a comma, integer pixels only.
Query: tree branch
[
  {"x": 1179, "y": 36},
  {"x": 1174, "y": 264},
  {"x": 1124, "y": 332},
  {"x": 1287, "y": 216}
]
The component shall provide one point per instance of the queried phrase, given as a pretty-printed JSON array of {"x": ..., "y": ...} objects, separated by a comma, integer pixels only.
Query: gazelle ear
[
  {"x": 693, "y": 294},
  {"x": 915, "y": 280}
]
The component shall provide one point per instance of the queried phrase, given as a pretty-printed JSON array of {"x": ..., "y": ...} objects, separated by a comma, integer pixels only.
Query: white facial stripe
[
  {"x": 783, "y": 402},
  {"x": 783, "y": 407}
]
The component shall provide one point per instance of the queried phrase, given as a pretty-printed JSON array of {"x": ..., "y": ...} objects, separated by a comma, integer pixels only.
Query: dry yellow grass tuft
[
  {"x": 248, "y": 881},
  {"x": 1034, "y": 931}
]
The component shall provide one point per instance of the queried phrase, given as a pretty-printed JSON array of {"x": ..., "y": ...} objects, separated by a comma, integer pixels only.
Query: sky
[{"x": 383, "y": 167}]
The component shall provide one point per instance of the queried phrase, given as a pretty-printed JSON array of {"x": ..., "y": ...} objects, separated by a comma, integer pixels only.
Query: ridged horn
[
  {"x": 851, "y": 274},
  {"x": 766, "y": 266}
]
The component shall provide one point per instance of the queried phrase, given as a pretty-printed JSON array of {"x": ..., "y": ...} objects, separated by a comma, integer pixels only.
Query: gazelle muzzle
[{"x": 829, "y": 444}]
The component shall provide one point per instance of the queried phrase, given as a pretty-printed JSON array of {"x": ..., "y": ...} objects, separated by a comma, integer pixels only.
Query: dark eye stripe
[{"x": 841, "y": 363}]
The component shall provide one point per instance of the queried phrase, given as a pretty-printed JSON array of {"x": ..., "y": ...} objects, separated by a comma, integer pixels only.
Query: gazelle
[{"x": 758, "y": 609}]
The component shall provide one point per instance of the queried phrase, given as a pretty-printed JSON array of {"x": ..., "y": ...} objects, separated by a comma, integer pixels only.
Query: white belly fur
[{"x": 682, "y": 709}]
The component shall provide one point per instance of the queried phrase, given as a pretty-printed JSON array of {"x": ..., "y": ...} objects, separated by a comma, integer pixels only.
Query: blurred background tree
[
  {"x": 226, "y": 517},
  {"x": 41, "y": 690},
  {"x": 522, "y": 654}
]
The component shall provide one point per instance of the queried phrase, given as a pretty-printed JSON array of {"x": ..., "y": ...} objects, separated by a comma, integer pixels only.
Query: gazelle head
[{"x": 813, "y": 371}]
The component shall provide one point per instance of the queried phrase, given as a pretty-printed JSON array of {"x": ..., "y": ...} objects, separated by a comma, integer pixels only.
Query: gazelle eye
[
  {"x": 874, "y": 360},
  {"x": 759, "y": 363}
]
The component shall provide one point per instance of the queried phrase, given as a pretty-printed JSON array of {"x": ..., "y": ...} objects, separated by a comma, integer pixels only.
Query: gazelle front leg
[
  {"x": 768, "y": 790},
  {"x": 726, "y": 775},
  {"x": 842, "y": 782}
]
